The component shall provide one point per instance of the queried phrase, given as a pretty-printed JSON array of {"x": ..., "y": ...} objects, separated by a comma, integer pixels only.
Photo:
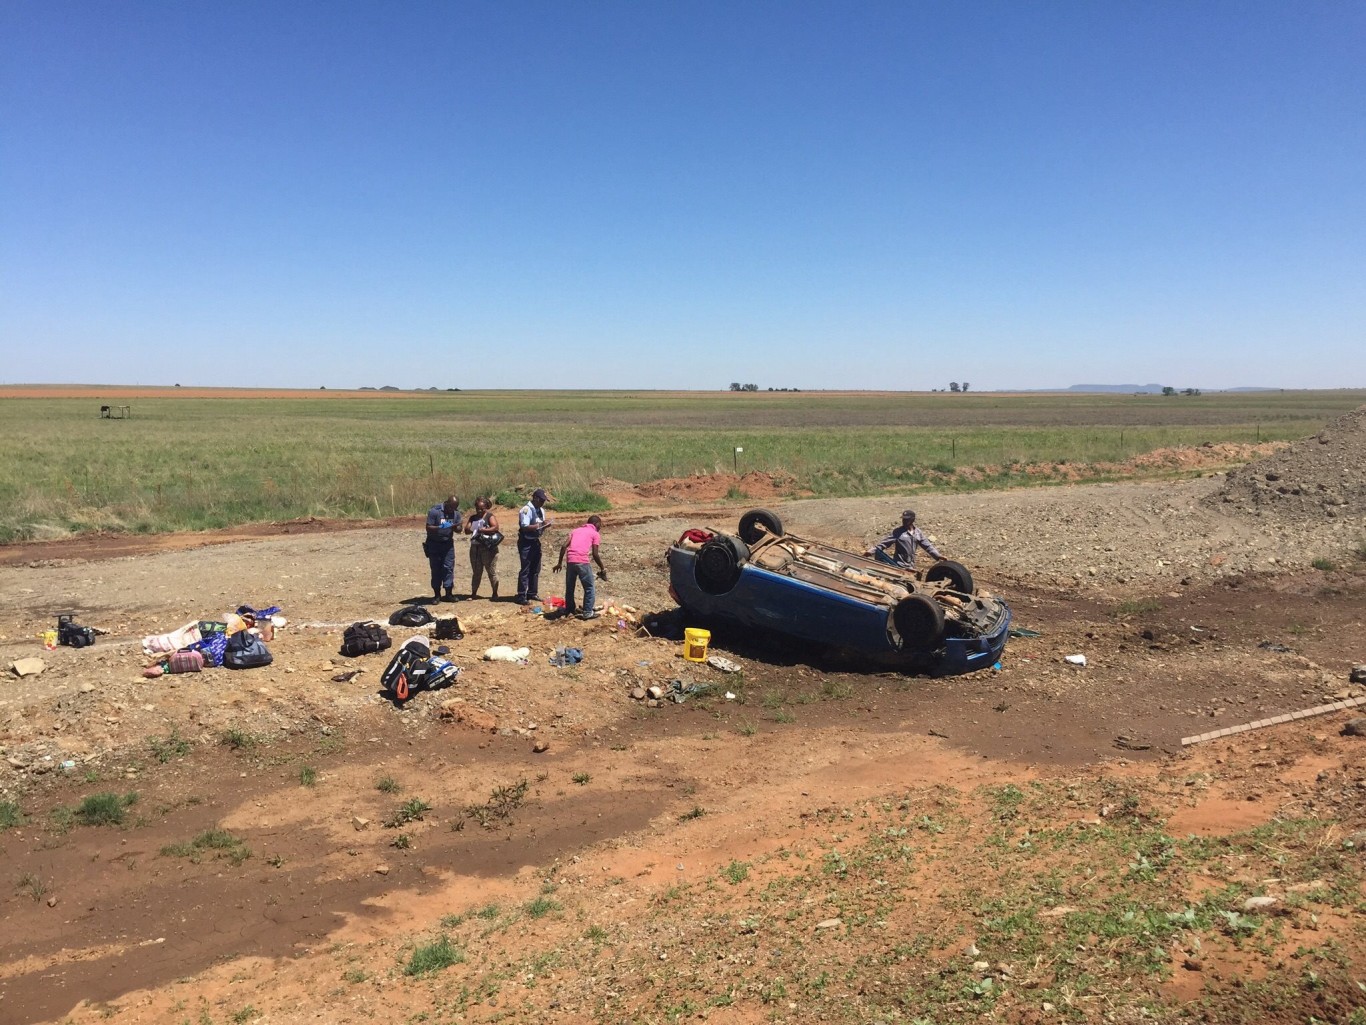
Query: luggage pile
[{"x": 238, "y": 641}]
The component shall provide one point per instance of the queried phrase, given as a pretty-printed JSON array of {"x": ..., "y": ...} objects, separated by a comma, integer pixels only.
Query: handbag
[
  {"x": 489, "y": 540},
  {"x": 245, "y": 651}
]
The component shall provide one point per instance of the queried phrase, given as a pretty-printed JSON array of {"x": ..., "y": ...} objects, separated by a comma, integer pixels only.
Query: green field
[{"x": 184, "y": 462}]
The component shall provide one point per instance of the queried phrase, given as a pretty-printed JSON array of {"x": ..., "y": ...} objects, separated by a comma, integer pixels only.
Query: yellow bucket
[{"x": 695, "y": 644}]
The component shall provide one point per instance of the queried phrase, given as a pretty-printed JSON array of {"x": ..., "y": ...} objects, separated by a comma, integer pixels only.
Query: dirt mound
[
  {"x": 710, "y": 487},
  {"x": 1322, "y": 476}
]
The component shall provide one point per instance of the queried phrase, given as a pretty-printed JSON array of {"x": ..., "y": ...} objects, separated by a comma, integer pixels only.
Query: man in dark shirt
[
  {"x": 443, "y": 523},
  {"x": 904, "y": 540}
]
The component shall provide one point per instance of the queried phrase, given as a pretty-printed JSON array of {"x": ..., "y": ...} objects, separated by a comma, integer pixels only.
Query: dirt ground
[{"x": 1191, "y": 616}]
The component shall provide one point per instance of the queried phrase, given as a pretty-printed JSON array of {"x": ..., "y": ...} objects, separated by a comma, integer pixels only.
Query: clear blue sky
[{"x": 646, "y": 194}]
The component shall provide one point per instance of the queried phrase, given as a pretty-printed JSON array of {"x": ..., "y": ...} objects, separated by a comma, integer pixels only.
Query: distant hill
[{"x": 1128, "y": 388}]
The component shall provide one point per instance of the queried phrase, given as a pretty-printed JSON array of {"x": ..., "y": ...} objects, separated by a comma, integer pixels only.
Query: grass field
[{"x": 190, "y": 460}]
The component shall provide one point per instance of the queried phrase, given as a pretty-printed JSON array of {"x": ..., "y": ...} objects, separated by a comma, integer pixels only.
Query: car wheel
[
  {"x": 954, "y": 573},
  {"x": 717, "y": 564},
  {"x": 755, "y": 523},
  {"x": 920, "y": 622}
]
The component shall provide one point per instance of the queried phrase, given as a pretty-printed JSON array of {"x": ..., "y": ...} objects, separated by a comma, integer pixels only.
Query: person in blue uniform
[
  {"x": 443, "y": 523},
  {"x": 531, "y": 524}
]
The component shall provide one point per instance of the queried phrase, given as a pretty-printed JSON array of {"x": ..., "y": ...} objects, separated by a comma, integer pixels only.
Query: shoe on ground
[
  {"x": 522, "y": 600},
  {"x": 534, "y": 597},
  {"x": 588, "y": 615}
]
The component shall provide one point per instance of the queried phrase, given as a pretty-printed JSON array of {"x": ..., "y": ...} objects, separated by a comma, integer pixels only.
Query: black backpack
[
  {"x": 364, "y": 639},
  {"x": 246, "y": 651},
  {"x": 413, "y": 668}
]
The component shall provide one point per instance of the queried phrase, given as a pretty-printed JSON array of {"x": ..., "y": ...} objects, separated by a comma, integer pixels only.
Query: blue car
[{"x": 764, "y": 579}]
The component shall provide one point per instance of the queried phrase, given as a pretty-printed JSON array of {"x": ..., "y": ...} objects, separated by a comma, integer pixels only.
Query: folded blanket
[{"x": 164, "y": 644}]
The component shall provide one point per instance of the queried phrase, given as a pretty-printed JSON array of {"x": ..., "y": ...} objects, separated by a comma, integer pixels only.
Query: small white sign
[{"x": 738, "y": 448}]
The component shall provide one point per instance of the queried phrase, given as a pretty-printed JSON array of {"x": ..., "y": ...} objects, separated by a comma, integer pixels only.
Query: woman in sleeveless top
[{"x": 483, "y": 555}]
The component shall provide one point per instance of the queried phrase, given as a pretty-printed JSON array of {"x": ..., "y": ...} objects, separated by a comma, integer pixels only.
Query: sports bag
[
  {"x": 364, "y": 639},
  {"x": 414, "y": 668},
  {"x": 245, "y": 651}
]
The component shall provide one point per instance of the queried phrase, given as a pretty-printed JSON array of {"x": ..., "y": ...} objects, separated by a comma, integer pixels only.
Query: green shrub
[
  {"x": 104, "y": 809},
  {"x": 1324, "y": 565},
  {"x": 433, "y": 957},
  {"x": 581, "y": 500},
  {"x": 10, "y": 816}
]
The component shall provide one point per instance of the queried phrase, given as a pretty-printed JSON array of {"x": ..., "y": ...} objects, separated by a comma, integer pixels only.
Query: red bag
[{"x": 186, "y": 662}]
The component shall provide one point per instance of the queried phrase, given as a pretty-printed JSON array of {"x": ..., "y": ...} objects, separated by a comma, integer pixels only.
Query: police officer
[{"x": 443, "y": 523}]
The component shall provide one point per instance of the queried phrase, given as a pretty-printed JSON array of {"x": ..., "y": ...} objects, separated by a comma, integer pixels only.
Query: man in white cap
[
  {"x": 904, "y": 540},
  {"x": 531, "y": 524}
]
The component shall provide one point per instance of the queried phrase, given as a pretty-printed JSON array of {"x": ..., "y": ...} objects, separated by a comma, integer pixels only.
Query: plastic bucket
[{"x": 695, "y": 644}]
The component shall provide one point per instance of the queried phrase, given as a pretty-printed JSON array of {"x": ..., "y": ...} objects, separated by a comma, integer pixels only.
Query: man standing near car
[
  {"x": 531, "y": 524},
  {"x": 443, "y": 522},
  {"x": 581, "y": 546},
  {"x": 903, "y": 541}
]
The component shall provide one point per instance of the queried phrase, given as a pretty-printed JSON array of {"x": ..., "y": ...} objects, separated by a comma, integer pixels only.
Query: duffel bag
[
  {"x": 246, "y": 651},
  {"x": 364, "y": 639}
]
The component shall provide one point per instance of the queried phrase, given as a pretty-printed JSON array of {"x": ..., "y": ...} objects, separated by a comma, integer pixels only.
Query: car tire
[
  {"x": 755, "y": 523},
  {"x": 920, "y": 622},
  {"x": 716, "y": 567},
  {"x": 958, "y": 576}
]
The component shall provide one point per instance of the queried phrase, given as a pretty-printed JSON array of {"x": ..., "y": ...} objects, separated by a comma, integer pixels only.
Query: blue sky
[{"x": 646, "y": 195}]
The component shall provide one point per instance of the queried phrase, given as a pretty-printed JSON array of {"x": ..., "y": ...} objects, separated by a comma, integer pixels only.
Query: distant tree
[
  {"x": 1190, "y": 391},
  {"x": 1168, "y": 390},
  {"x": 750, "y": 387},
  {"x": 954, "y": 386},
  {"x": 734, "y": 385},
  {"x": 965, "y": 385}
]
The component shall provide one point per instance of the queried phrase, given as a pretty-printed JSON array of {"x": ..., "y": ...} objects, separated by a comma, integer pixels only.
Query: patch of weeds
[
  {"x": 1324, "y": 565},
  {"x": 174, "y": 746},
  {"x": 30, "y": 884},
  {"x": 388, "y": 785},
  {"x": 580, "y": 500},
  {"x": 541, "y": 906},
  {"x": 403, "y": 842},
  {"x": 1006, "y": 801},
  {"x": 219, "y": 842},
  {"x": 746, "y": 728},
  {"x": 582, "y": 778},
  {"x": 502, "y": 802},
  {"x": 275, "y": 860},
  {"x": 354, "y": 976},
  {"x": 452, "y": 921},
  {"x": 736, "y": 872},
  {"x": 245, "y": 1014},
  {"x": 784, "y": 715},
  {"x": 238, "y": 740},
  {"x": 836, "y": 689},
  {"x": 10, "y": 815},
  {"x": 436, "y": 956},
  {"x": 308, "y": 776},
  {"x": 488, "y": 912},
  {"x": 772, "y": 700},
  {"x": 596, "y": 934},
  {"x": 61, "y": 819},
  {"x": 105, "y": 809},
  {"x": 697, "y": 812},
  {"x": 1137, "y": 607},
  {"x": 410, "y": 810}
]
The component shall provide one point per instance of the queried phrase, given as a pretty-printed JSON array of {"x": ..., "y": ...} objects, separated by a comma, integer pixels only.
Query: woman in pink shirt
[{"x": 580, "y": 547}]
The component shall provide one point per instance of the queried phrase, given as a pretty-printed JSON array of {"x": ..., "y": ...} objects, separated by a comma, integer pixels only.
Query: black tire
[
  {"x": 958, "y": 576},
  {"x": 920, "y": 622},
  {"x": 755, "y": 523},
  {"x": 716, "y": 567}
]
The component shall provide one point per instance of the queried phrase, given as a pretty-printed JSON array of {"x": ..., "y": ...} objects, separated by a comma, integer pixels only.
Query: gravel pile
[{"x": 1322, "y": 476}]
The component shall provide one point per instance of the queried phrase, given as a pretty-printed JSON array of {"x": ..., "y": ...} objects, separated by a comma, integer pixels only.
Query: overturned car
[{"x": 765, "y": 579}]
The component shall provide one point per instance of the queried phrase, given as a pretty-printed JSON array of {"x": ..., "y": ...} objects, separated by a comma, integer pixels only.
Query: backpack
[
  {"x": 364, "y": 639},
  {"x": 245, "y": 651},
  {"x": 448, "y": 629},
  {"x": 414, "y": 668},
  {"x": 411, "y": 615}
]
